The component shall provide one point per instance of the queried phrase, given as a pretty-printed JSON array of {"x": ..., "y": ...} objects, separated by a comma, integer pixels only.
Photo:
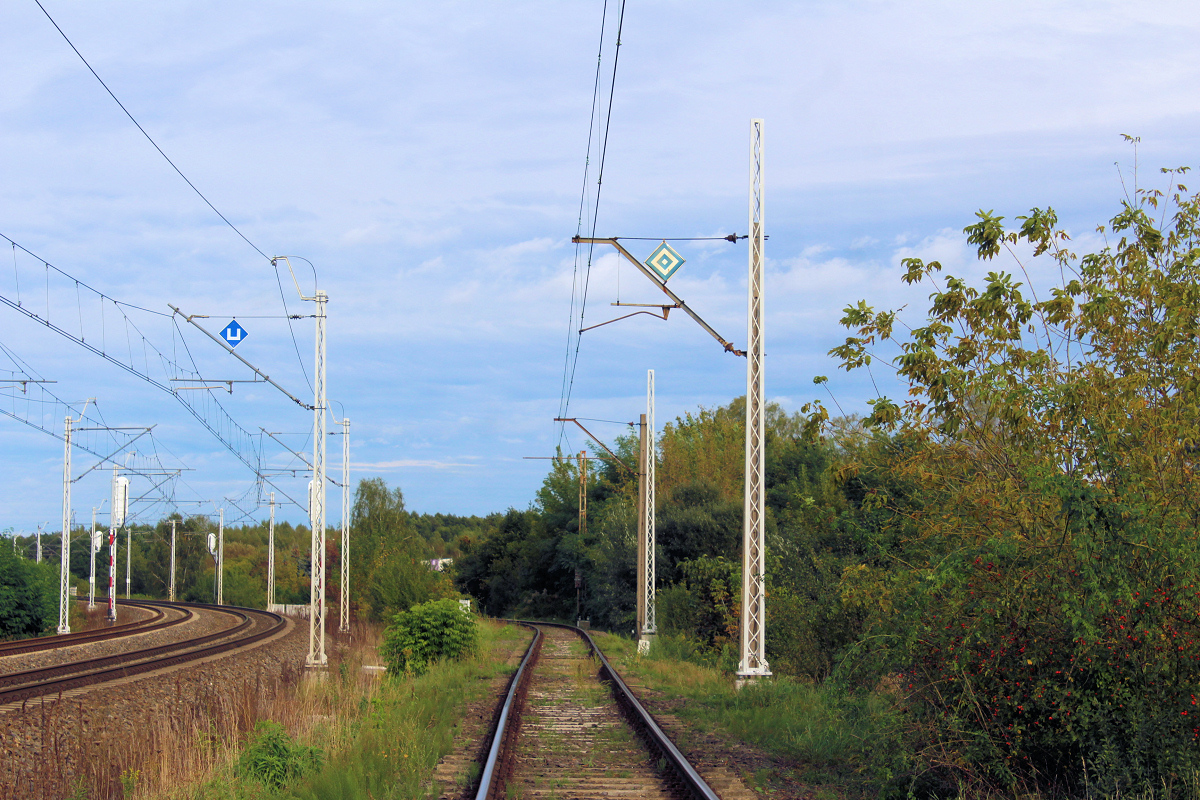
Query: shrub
[
  {"x": 438, "y": 629},
  {"x": 274, "y": 759}
]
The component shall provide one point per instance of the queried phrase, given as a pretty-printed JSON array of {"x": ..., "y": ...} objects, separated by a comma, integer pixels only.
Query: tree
[{"x": 1045, "y": 560}]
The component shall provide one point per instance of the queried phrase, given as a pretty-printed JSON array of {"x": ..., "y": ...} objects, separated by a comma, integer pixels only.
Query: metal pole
[
  {"x": 221, "y": 559},
  {"x": 271, "y": 557},
  {"x": 171, "y": 587},
  {"x": 316, "y": 501},
  {"x": 92, "y": 560},
  {"x": 345, "y": 609},
  {"x": 641, "y": 536},
  {"x": 116, "y": 516},
  {"x": 64, "y": 571},
  {"x": 38, "y": 555},
  {"x": 753, "y": 662},
  {"x": 651, "y": 611},
  {"x": 128, "y": 558}
]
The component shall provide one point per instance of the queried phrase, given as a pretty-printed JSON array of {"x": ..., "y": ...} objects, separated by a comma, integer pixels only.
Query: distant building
[{"x": 439, "y": 564}]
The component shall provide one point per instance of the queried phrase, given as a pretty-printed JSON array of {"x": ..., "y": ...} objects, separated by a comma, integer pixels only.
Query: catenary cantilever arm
[{"x": 654, "y": 278}]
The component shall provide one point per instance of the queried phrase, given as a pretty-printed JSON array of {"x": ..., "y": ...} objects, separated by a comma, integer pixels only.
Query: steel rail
[
  {"x": 50, "y": 680},
  {"x": 500, "y": 735},
  {"x": 658, "y": 739},
  {"x": 54, "y": 641}
]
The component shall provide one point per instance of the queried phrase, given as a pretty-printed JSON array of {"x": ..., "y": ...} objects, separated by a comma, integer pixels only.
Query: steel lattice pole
[
  {"x": 171, "y": 589},
  {"x": 92, "y": 547},
  {"x": 345, "y": 606},
  {"x": 64, "y": 573},
  {"x": 753, "y": 663},
  {"x": 271, "y": 557},
  {"x": 221, "y": 559},
  {"x": 651, "y": 607},
  {"x": 316, "y": 502}
]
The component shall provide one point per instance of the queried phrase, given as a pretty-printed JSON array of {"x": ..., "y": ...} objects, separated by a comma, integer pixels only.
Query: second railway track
[
  {"x": 251, "y": 626},
  {"x": 570, "y": 728}
]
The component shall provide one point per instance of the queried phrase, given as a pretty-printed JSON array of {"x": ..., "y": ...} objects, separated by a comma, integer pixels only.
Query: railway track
[
  {"x": 160, "y": 618},
  {"x": 250, "y": 626},
  {"x": 571, "y": 728}
]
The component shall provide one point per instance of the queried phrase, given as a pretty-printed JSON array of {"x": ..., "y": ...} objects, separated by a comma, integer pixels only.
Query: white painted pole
[
  {"x": 651, "y": 603},
  {"x": 753, "y": 663},
  {"x": 171, "y": 586},
  {"x": 128, "y": 558},
  {"x": 271, "y": 557},
  {"x": 38, "y": 555},
  {"x": 221, "y": 559},
  {"x": 64, "y": 572},
  {"x": 316, "y": 501},
  {"x": 345, "y": 599},
  {"x": 92, "y": 562}
]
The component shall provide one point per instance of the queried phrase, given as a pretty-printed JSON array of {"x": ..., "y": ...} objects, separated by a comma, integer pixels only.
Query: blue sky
[{"x": 428, "y": 159}]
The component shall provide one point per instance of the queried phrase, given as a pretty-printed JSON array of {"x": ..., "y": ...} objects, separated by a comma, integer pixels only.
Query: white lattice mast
[
  {"x": 345, "y": 551},
  {"x": 753, "y": 663},
  {"x": 93, "y": 546},
  {"x": 116, "y": 518},
  {"x": 271, "y": 557},
  {"x": 221, "y": 559},
  {"x": 651, "y": 627},
  {"x": 171, "y": 586},
  {"x": 316, "y": 502},
  {"x": 64, "y": 572}
]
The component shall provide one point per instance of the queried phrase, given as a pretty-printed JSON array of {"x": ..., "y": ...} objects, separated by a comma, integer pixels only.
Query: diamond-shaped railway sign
[
  {"x": 664, "y": 261},
  {"x": 233, "y": 333}
]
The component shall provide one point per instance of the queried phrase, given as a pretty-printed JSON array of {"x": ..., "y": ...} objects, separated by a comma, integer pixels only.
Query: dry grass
[{"x": 85, "y": 752}]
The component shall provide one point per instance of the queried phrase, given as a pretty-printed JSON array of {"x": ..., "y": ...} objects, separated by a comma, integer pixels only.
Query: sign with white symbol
[
  {"x": 233, "y": 333},
  {"x": 664, "y": 261}
]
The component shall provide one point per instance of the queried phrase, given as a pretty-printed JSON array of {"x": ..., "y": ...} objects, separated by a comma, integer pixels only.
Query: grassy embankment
[
  {"x": 818, "y": 736},
  {"x": 378, "y": 737}
]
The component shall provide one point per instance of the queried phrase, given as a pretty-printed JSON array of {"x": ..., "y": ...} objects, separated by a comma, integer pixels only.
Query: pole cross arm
[
  {"x": 596, "y": 439},
  {"x": 729, "y": 348},
  {"x": 230, "y": 350}
]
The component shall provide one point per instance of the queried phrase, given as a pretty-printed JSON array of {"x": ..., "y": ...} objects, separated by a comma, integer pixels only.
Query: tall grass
[{"x": 827, "y": 735}]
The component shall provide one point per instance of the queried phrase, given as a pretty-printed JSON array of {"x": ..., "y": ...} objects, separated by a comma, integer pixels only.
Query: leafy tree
[
  {"x": 28, "y": 596},
  {"x": 1043, "y": 579}
]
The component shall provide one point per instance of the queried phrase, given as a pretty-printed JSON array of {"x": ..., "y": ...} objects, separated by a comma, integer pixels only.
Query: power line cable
[
  {"x": 178, "y": 171},
  {"x": 596, "y": 205}
]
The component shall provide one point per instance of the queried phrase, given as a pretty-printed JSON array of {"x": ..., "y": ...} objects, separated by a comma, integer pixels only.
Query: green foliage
[
  {"x": 28, "y": 596},
  {"x": 440, "y": 629},
  {"x": 1026, "y": 537},
  {"x": 274, "y": 759}
]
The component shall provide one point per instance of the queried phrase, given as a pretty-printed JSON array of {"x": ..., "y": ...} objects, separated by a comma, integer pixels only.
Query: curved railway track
[
  {"x": 570, "y": 728},
  {"x": 251, "y": 625},
  {"x": 158, "y": 620}
]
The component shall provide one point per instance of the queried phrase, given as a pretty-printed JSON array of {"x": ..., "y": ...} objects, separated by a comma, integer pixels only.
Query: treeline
[
  {"x": 1007, "y": 558},
  {"x": 390, "y": 549}
]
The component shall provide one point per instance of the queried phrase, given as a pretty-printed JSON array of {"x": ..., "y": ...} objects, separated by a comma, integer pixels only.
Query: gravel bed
[
  {"x": 200, "y": 624},
  {"x": 141, "y": 723}
]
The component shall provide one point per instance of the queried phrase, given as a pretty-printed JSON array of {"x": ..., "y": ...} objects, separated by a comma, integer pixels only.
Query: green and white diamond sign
[{"x": 664, "y": 261}]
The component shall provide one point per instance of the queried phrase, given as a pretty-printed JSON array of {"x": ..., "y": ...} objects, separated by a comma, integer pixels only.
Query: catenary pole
[
  {"x": 171, "y": 588},
  {"x": 116, "y": 518},
  {"x": 316, "y": 501},
  {"x": 641, "y": 535},
  {"x": 221, "y": 558},
  {"x": 64, "y": 572},
  {"x": 651, "y": 626},
  {"x": 271, "y": 557},
  {"x": 92, "y": 547},
  {"x": 345, "y": 552},
  {"x": 753, "y": 662}
]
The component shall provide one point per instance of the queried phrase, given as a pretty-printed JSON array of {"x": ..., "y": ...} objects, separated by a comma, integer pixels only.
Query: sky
[{"x": 424, "y": 165}]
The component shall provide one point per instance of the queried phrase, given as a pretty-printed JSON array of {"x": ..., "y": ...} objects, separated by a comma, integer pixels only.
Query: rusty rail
[
  {"x": 638, "y": 716},
  {"x": 54, "y": 641},
  {"x": 73, "y": 675}
]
